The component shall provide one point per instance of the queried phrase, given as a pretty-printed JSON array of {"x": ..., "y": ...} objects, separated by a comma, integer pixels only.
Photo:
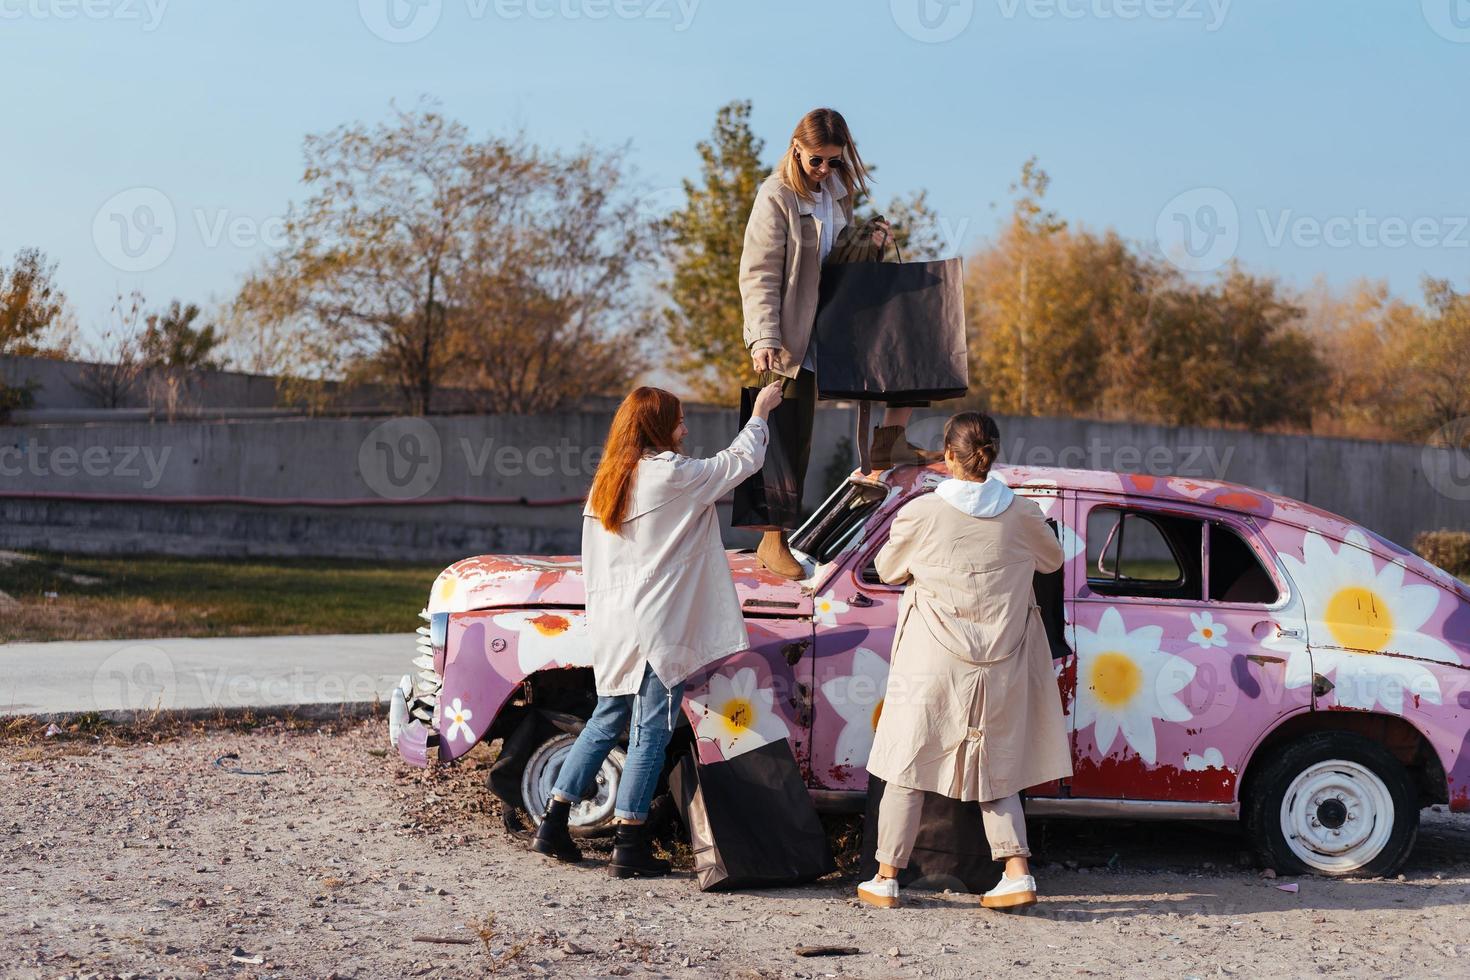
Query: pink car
[{"x": 1220, "y": 654}]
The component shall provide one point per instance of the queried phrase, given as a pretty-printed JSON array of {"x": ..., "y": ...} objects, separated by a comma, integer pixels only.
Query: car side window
[
  {"x": 838, "y": 520},
  {"x": 1144, "y": 554},
  {"x": 1236, "y": 572}
]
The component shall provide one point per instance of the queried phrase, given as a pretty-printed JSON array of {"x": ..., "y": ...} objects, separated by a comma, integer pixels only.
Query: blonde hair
[{"x": 818, "y": 128}]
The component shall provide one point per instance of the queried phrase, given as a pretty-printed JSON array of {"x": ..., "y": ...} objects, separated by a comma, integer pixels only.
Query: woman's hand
[
  {"x": 769, "y": 398},
  {"x": 765, "y": 359},
  {"x": 881, "y": 233}
]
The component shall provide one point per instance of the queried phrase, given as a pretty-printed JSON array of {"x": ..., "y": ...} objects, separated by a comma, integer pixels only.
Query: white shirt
[{"x": 827, "y": 227}]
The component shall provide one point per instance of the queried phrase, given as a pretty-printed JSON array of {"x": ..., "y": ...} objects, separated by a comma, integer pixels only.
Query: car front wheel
[
  {"x": 592, "y": 816},
  {"x": 1334, "y": 803}
]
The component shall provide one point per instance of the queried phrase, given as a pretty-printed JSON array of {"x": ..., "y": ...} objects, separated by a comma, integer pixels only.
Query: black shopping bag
[
  {"x": 892, "y": 331},
  {"x": 770, "y": 499},
  {"x": 950, "y": 852},
  {"x": 751, "y": 821}
]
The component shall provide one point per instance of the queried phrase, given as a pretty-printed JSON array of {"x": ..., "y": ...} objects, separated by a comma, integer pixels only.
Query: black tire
[{"x": 1364, "y": 794}]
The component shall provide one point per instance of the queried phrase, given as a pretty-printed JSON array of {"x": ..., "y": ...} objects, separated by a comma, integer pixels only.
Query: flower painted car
[{"x": 1220, "y": 653}]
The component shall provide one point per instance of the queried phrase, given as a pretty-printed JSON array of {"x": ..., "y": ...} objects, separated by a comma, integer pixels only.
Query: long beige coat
[
  {"x": 972, "y": 708},
  {"x": 659, "y": 592},
  {"x": 780, "y": 269}
]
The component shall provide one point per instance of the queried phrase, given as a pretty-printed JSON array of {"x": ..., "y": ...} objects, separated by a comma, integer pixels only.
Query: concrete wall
[{"x": 369, "y": 487}]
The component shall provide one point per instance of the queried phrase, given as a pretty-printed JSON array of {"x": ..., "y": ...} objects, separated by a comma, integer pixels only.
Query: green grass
[{"x": 146, "y": 596}]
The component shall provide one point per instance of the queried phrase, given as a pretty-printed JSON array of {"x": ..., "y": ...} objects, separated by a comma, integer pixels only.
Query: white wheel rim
[
  {"x": 540, "y": 776},
  {"x": 1337, "y": 816}
]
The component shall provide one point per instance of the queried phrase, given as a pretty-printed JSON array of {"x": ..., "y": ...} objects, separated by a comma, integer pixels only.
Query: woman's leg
[
  {"x": 899, "y": 813},
  {"x": 595, "y": 741},
  {"x": 1005, "y": 828},
  {"x": 652, "y": 727},
  {"x": 896, "y": 416}
]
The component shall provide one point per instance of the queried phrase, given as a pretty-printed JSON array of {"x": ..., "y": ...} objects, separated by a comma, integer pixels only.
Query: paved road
[{"x": 183, "y": 674}]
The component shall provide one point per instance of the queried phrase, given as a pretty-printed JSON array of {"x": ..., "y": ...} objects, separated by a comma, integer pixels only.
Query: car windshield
[{"x": 839, "y": 518}]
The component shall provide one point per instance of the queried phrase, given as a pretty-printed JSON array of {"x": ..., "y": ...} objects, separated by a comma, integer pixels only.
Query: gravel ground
[{"x": 141, "y": 859}]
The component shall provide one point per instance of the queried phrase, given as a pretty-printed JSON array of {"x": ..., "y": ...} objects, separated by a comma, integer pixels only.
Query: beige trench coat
[
  {"x": 780, "y": 271},
  {"x": 972, "y": 708},
  {"x": 659, "y": 592}
]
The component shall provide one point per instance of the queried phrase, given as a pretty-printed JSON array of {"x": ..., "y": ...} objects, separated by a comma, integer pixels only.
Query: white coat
[{"x": 659, "y": 592}]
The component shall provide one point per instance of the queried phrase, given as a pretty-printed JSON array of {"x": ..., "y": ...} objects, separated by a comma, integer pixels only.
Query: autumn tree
[
  {"x": 545, "y": 307},
  {"x": 391, "y": 264},
  {"x": 170, "y": 339}
]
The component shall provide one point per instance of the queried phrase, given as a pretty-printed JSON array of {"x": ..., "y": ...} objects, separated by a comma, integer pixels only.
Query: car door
[
  {"x": 1181, "y": 623},
  {"x": 855, "y": 616}
]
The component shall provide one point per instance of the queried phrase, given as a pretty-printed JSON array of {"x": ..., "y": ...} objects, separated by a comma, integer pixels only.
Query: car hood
[{"x": 517, "y": 581}]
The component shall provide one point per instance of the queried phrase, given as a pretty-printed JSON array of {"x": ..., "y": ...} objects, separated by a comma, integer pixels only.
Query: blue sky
[{"x": 1347, "y": 116}]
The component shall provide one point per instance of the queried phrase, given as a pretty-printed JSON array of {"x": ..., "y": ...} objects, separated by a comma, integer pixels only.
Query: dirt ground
[{"x": 152, "y": 860}]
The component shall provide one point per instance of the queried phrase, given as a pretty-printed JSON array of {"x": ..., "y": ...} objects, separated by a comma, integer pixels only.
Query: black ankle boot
[
  {"x": 552, "y": 837},
  {"x": 633, "y": 854}
]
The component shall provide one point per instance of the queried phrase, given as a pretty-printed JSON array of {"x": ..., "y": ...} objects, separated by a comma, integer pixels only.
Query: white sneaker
[
  {"x": 1011, "y": 893},
  {"x": 882, "y": 892}
]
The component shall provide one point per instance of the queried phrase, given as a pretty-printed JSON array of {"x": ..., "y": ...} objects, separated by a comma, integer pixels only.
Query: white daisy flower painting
[
  {"x": 548, "y": 638},
  {"x": 736, "y": 713},
  {"x": 857, "y": 699},
  {"x": 1125, "y": 683}
]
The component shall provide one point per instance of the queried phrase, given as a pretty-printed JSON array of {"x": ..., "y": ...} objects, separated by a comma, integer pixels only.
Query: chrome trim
[
  {"x": 1131, "y": 809},
  {"x": 839, "y": 800}
]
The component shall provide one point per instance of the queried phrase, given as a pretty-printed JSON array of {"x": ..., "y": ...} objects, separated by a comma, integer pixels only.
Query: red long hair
[{"x": 644, "y": 422}]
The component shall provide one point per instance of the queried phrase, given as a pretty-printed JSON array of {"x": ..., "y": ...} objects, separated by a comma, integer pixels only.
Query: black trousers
[{"x": 801, "y": 390}]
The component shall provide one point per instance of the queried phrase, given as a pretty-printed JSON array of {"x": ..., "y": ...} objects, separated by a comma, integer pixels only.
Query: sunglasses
[{"x": 833, "y": 163}]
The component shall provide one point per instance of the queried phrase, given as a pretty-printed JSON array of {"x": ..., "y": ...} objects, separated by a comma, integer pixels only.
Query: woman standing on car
[
  {"x": 660, "y": 605},
  {"x": 972, "y": 709},
  {"x": 801, "y": 212}
]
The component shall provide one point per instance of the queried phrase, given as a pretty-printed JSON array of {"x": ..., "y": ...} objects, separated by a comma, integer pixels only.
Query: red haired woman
[
  {"x": 660, "y": 605},
  {"x": 802, "y": 211}
]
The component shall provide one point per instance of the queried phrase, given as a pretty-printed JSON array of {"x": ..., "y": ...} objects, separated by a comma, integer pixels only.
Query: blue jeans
[{"x": 652, "y": 713}]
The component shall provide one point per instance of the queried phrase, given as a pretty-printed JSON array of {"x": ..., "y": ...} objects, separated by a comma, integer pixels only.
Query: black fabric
[
  {"x": 770, "y": 498},
  {"x": 751, "y": 821},
  {"x": 892, "y": 331},
  {"x": 950, "y": 852}
]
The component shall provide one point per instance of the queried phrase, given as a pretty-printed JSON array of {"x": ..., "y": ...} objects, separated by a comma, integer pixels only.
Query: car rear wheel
[
  {"x": 1334, "y": 803},
  {"x": 592, "y": 816}
]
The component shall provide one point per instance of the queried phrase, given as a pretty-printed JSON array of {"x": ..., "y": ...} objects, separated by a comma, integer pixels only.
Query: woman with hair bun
[{"x": 972, "y": 709}]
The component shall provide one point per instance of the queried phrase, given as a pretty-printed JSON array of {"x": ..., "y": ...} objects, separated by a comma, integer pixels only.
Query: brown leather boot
[
  {"x": 776, "y": 556},
  {"x": 890, "y": 448}
]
